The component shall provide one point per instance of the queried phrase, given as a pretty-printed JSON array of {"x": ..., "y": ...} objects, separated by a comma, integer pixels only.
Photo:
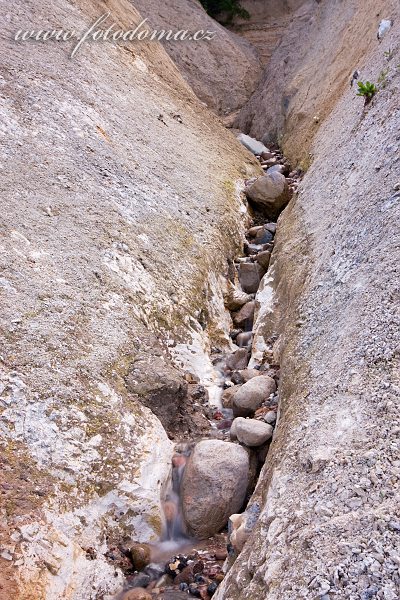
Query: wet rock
[
  {"x": 251, "y": 144},
  {"x": 136, "y": 594},
  {"x": 189, "y": 573},
  {"x": 252, "y": 394},
  {"x": 245, "y": 316},
  {"x": 251, "y": 432},
  {"x": 237, "y": 378},
  {"x": 197, "y": 392},
  {"x": 141, "y": 555},
  {"x": 214, "y": 485},
  {"x": 212, "y": 588},
  {"x": 141, "y": 580},
  {"x": 194, "y": 590},
  {"x": 238, "y": 360},
  {"x": 269, "y": 192},
  {"x": 176, "y": 565},
  {"x": 244, "y": 339},
  {"x": 263, "y": 259},
  {"x": 225, "y": 424},
  {"x": 250, "y": 275}
]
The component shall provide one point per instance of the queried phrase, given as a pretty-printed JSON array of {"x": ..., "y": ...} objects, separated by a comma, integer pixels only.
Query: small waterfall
[{"x": 174, "y": 534}]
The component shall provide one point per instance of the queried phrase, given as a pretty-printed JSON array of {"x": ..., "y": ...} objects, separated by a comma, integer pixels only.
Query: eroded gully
[{"x": 207, "y": 515}]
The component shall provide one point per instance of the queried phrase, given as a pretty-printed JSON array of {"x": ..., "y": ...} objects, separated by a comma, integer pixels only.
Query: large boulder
[
  {"x": 270, "y": 192},
  {"x": 252, "y": 432},
  {"x": 251, "y": 395},
  {"x": 214, "y": 486}
]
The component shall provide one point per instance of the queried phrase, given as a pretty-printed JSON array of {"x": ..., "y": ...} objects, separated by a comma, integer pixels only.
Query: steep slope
[
  {"x": 224, "y": 71},
  {"x": 329, "y": 491},
  {"x": 118, "y": 198},
  {"x": 322, "y": 46}
]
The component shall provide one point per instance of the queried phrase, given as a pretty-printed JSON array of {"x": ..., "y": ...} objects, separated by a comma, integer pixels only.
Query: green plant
[
  {"x": 367, "y": 90},
  {"x": 225, "y": 10}
]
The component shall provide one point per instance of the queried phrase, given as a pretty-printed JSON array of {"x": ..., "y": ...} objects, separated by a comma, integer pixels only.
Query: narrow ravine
[{"x": 207, "y": 514}]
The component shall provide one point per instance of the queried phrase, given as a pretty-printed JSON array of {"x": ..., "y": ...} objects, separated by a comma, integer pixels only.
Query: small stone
[
  {"x": 136, "y": 594},
  {"x": 238, "y": 360},
  {"x": 270, "y": 227},
  {"x": 234, "y": 298},
  {"x": 384, "y": 27},
  {"x": 183, "y": 587},
  {"x": 253, "y": 231},
  {"x": 251, "y": 432},
  {"x": 237, "y": 378},
  {"x": 186, "y": 576},
  {"x": 276, "y": 169},
  {"x": 194, "y": 591},
  {"x": 251, "y": 144},
  {"x": 245, "y": 316},
  {"x": 221, "y": 554},
  {"x": 212, "y": 588},
  {"x": 263, "y": 237},
  {"x": 267, "y": 155},
  {"x": 141, "y": 580},
  {"x": 263, "y": 259},
  {"x": 270, "y": 417}
]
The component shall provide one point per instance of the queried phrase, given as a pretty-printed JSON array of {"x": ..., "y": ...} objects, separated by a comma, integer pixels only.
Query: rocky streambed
[{"x": 208, "y": 513}]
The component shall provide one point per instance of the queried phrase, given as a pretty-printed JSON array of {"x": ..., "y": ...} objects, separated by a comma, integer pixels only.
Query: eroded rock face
[
  {"x": 223, "y": 71},
  {"x": 214, "y": 485},
  {"x": 93, "y": 276},
  {"x": 335, "y": 315}
]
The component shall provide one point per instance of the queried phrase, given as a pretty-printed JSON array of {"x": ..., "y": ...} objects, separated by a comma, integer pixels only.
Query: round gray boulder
[
  {"x": 270, "y": 192},
  {"x": 251, "y": 432},
  {"x": 251, "y": 395},
  {"x": 214, "y": 486}
]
